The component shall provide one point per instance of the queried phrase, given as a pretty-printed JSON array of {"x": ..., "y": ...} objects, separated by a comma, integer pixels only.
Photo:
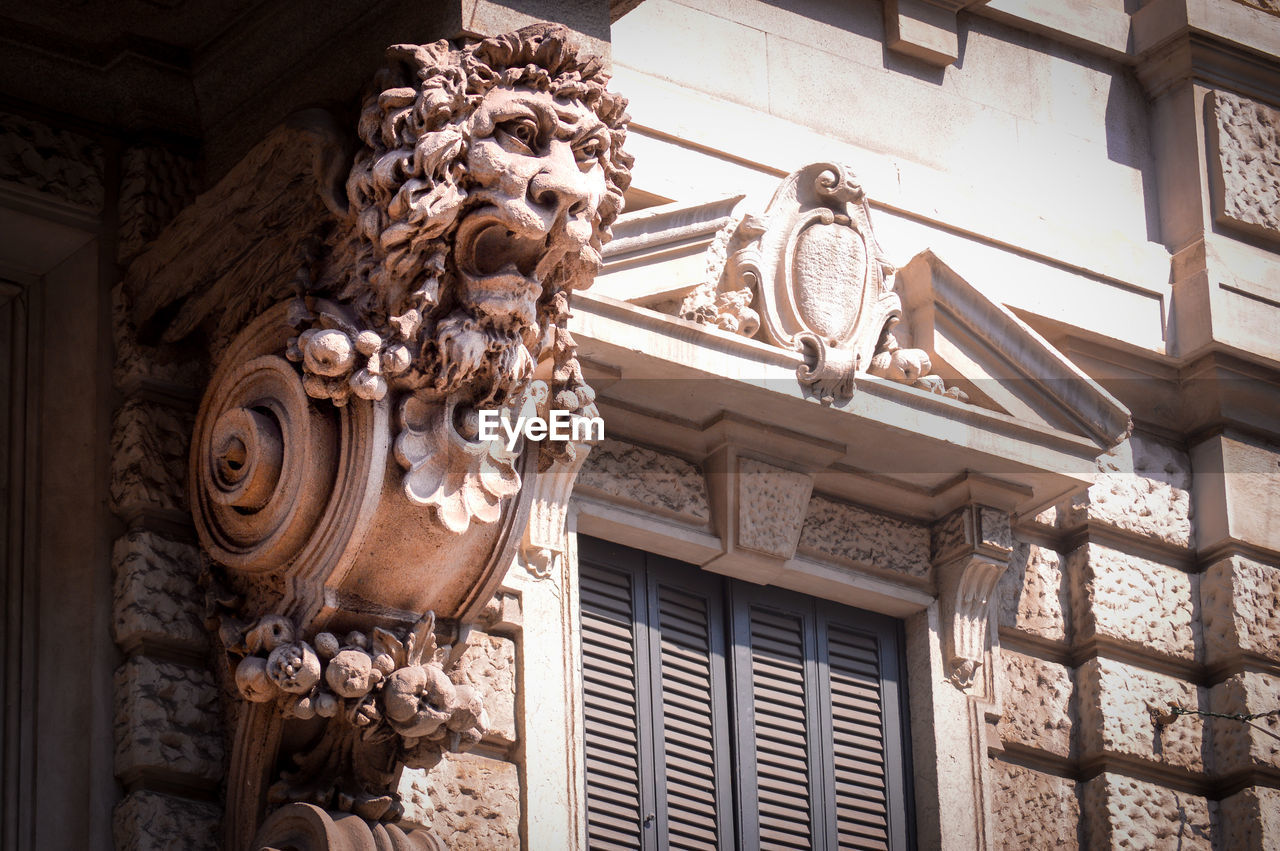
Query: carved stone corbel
[
  {"x": 339, "y": 478},
  {"x": 971, "y": 548}
]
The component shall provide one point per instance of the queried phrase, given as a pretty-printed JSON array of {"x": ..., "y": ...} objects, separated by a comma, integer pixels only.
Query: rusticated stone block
[
  {"x": 1032, "y": 597},
  {"x": 1033, "y": 810},
  {"x": 1036, "y": 696},
  {"x": 1115, "y": 715},
  {"x": 652, "y": 480},
  {"x": 148, "y": 458},
  {"x": 846, "y": 532},
  {"x": 471, "y": 802},
  {"x": 1249, "y": 820},
  {"x": 1132, "y": 599},
  {"x": 167, "y": 721},
  {"x": 771, "y": 507},
  {"x": 45, "y": 159},
  {"x": 137, "y": 363},
  {"x": 149, "y": 821},
  {"x": 156, "y": 594},
  {"x": 1240, "y": 604},
  {"x": 1238, "y": 745},
  {"x": 1142, "y": 486},
  {"x": 1121, "y": 812},
  {"x": 488, "y": 664},
  {"x": 1247, "y": 189}
]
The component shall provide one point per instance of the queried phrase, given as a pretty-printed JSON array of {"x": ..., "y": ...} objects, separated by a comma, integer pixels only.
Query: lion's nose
[{"x": 560, "y": 187}]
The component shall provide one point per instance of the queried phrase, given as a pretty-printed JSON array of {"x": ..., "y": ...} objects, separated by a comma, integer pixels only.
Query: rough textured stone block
[
  {"x": 1247, "y": 192},
  {"x": 157, "y": 598},
  {"x": 1132, "y": 599},
  {"x": 471, "y": 802},
  {"x": 137, "y": 363},
  {"x": 488, "y": 664},
  {"x": 1033, "y": 810},
  {"x": 1240, "y": 604},
  {"x": 1239, "y": 745},
  {"x": 1249, "y": 820},
  {"x": 848, "y": 533},
  {"x": 148, "y": 458},
  {"x": 149, "y": 821},
  {"x": 649, "y": 479},
  {"x": 1032, "y": 597},
  {"x": 1036, "y": 697},
  {"x": 167, "y": 721},
  {"x": 1115, "y": 718},
  {"x": 1142, "y": 486},
  {"x": 1121, "y": 812}
]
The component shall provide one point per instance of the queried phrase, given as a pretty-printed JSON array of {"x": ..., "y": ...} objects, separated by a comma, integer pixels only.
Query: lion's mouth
[{"x": 486, "y": 247}]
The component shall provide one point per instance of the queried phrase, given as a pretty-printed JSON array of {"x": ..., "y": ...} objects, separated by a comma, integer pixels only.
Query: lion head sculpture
[{"x": 489, "y": 178}]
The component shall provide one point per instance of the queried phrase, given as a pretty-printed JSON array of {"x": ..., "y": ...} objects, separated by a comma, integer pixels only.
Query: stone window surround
[{"x": 948, "y": 727}]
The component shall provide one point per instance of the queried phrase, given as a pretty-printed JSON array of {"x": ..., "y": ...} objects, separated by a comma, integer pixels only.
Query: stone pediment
[{"x": 807, "y": 275}]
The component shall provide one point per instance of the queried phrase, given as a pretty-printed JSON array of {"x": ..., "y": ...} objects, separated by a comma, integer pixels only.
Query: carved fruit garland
[{"x": 387, "y": 700}]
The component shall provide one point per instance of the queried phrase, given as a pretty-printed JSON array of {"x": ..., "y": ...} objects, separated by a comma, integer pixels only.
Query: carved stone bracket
[
  {"x": 364, "y": 313},
  {"x": 545, "y": 541},
  {"x": 971, "y": 549}
]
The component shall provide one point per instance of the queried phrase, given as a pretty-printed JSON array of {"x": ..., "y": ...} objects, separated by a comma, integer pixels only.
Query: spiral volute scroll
[{"x": 278, "y": 480}]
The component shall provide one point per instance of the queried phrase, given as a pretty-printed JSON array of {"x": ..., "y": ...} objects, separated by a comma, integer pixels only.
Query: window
[{"x": 721, "y": 714}]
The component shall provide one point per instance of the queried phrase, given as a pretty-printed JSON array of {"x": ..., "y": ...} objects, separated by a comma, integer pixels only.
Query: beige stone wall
[{"x": 1106, "y": 614}]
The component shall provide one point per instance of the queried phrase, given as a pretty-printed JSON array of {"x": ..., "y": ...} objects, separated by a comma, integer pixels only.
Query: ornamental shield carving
[{"x": 813, "y": 260}]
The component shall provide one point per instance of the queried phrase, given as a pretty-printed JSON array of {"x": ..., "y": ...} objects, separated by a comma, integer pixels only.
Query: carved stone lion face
[
  {"x": 535, "y": 163},
  {"x": 490, "y": 176}
]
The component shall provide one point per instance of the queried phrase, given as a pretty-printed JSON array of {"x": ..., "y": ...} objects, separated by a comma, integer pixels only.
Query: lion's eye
[
  {"x": 522, "y": 130},
  {"x": 591, "y": 149}
]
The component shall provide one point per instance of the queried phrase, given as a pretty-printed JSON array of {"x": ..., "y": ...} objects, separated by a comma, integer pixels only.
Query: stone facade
[{"x": 998, "y": 360}]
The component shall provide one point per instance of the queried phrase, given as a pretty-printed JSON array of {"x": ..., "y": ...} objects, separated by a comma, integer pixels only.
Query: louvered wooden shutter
[
  {"x": 820, "y": 749},
  {"x": 657, "y": 732},
  {"x": 619, "y": 793},
  {"x": 815, "y": 755}
]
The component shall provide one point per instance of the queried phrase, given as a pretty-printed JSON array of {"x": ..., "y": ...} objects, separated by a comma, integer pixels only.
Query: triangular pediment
[
  {"x": 715, "y": 266},
  {"x": 996, "y": 359}
]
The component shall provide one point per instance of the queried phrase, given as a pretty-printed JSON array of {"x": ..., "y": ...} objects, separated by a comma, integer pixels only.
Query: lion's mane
[{"x": 407, "y": 188}]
